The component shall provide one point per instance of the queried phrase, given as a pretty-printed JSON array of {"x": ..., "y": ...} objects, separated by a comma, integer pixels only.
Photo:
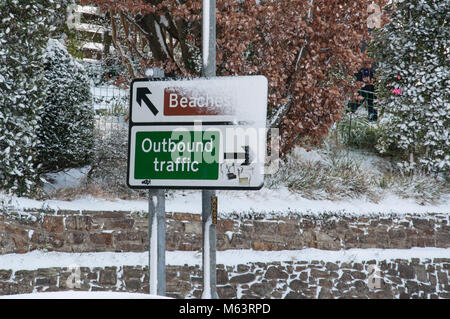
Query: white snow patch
[
  {"x": 65, "y": 179},
  {"x": 83, "y": 295},
  {"x": 229, "y": 235},
  {"x": 280, "y": 201},
  {"x": 311, "y": 156},
  {"x": 40, "y": 259}
]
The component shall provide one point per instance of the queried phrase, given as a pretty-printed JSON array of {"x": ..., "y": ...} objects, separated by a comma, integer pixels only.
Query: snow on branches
[
  {"x": 414, "y": 84},
  {"x": 308, "y": 50}
]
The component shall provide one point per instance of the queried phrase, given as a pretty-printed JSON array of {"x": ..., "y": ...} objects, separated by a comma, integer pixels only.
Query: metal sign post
[
  {"x": 208, "y": 196},
  {"x": 157, "y": 230},
  {"x": 168, "y": 149}
]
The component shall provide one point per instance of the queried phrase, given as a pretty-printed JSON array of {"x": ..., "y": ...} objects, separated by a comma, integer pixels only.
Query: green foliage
[
  {"x": 25, "y": 27},
  {"x": 412, "y": 57},
  {"x": 357, "y": 132},
  {"x": 26, "y": 92},
  {"x": 73, "y": 46},
  {"x": 67, "y": 124}
]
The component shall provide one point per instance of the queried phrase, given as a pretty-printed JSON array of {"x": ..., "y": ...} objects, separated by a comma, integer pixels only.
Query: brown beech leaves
[{"x": 307, "y": 49}]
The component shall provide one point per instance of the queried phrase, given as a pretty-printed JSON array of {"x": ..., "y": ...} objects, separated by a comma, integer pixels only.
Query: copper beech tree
[{"x": 307, "y": 49}]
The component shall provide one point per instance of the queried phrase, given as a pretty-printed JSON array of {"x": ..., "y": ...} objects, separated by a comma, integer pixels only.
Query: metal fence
[{"x": 110, "y": 101}]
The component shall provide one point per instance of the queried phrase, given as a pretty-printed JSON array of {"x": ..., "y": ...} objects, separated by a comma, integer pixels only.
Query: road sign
[
  {"x": 219, "y": 99},
  {"x": 196, "y": 156}
]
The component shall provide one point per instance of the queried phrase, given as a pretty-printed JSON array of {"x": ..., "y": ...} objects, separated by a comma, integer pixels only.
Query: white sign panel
[{"x": 237, "y": 99}]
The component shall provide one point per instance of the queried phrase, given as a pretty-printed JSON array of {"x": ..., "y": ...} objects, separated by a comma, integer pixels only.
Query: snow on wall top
[{"x": 271, "y": 202}]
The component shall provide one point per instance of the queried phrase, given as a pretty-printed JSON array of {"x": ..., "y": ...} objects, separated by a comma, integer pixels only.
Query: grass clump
[{"x": 336, "y": 173}]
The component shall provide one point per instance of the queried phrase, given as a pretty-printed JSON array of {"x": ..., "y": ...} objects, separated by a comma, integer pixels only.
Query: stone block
[
  {"x": 108, "y": 214},
  {"x": 186, "y": 216},
  {"x": 421, "y": 273},
  {"x": 80, "y": 223},
  {"x": 275, "y": 273},
  {"x": 104, "y": 239},
  {"x": 298, "y": 285},
  {"x": 108, "y": 276},
  {"x": 133, "y": 285},
  {"x": 53, "y": 224},
  {"x": 5, "y": 274},
  {"x": 325, "y": 283},
  {"x": 193, "y": 228},
  {"x": 226, "y": 292},
  {"x": 242, "y": 268},
  {"x": 130, "y": 272},
  {"x": 76, "y": 238},
  {"x": 242, "y": 279},
  {"x": 331, "y": 266},
  {"x": 406, "y": 271},
  {"x": 325, "y": 293},
  {"x": 303, "y": 275},
  {"x": 295, "y": 295},
  {"x": 261, "y": 289},
  {"x": 358, "y": 275},
  {"x": 119, "y": 223},
  {"x": 288, "y": 229},
  {"x": 221, "y": 276},
  {"x": 316, "y": 273}
]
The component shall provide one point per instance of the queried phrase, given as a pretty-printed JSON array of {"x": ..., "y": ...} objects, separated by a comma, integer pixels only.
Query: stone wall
[
  {"x": 89, "y": 231},
  {"x": 121, "y": 231},
  {"x": 398, "y": 279}
]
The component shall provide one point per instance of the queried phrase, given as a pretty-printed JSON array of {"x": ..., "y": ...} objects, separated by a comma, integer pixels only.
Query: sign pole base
[
  {"x": 209, "y": 220},
  {"x": 157, "y": 247}
]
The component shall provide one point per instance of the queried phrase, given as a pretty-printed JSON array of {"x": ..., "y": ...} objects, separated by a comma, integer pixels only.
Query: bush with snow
[
  {"x": 24, "y": 30},
  {"x": 109, "y": 167},
  {"x": 412, "y": 56},
  {"x": 67, "y": 121}
]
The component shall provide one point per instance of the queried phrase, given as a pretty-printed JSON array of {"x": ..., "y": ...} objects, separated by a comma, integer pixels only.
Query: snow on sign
[
  {"x": 199, "y": 133},
  {"x": 218, "y": 99}
]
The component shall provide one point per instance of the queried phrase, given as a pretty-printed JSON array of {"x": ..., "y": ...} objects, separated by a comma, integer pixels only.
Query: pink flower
[
  {"x": 399, "y": 77},
  {"x": 397, "y": 91}
]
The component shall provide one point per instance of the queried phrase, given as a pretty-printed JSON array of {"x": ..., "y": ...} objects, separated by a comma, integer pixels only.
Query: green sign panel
[{"x": 176, "y": 155}]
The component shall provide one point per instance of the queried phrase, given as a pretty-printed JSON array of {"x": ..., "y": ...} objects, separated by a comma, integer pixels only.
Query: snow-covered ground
[
  {"x": 83, "y": 295},
  {"x": 40, "y": 259},
  {"x": 280, "y": 202},
  {"x": 67, "y": 178}
]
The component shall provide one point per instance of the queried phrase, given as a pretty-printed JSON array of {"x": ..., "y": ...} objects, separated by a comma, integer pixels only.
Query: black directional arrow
[
  {"x": 142, "y": 97},
  {"x": 247, "y": 156}
]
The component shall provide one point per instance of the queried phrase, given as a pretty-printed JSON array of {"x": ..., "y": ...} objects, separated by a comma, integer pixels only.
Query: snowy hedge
[
  {"x": 412, "y": 55},
  {"x": 24, "y": 30},
  {"x": 67, "y": 121},
  {"x": 26, "y": 98}
]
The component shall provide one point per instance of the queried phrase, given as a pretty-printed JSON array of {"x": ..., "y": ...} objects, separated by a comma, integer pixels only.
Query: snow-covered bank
[
  {"x": 83, "y": 295},
  {"x": 280, "y": 201},
  {"x": 40, "y": 259}
]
